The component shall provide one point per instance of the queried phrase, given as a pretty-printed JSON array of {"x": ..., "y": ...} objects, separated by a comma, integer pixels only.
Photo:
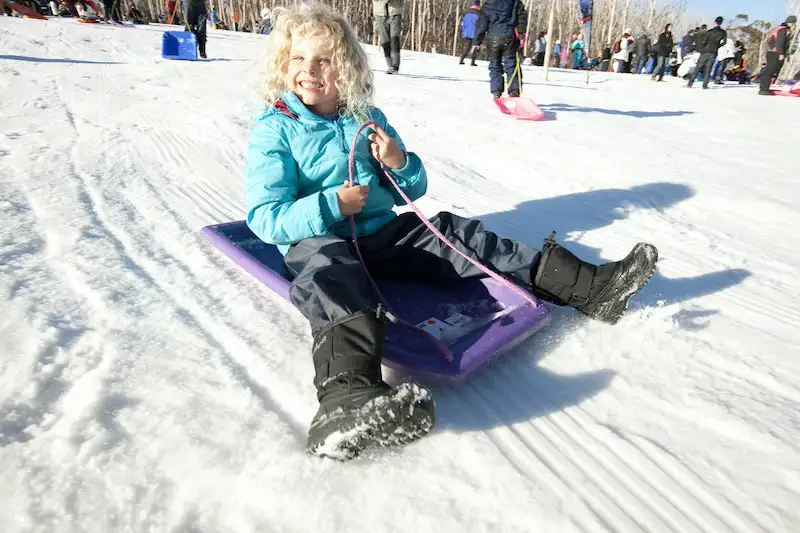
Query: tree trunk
[
  {"x": 528, "y": 26},
  {"x": 610, "y": 32},
  {"x": 548, "y": 51},
  {"x": 455, "y": 29},
  {"x": 625, "y": 15}
]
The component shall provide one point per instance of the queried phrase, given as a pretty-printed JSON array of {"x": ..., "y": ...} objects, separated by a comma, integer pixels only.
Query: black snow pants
[
  {"x": 196, "y": 14},
  {"x": 468, "y": 45},
  {"x": 330, "y": 284},
  {"x": 774, "y": 66},
  {"x": 113, "y": 10},
  {"x": 705, "y": 65},
  {"x": 502, "y": 52},
  {"x": 390, "y": 29}
]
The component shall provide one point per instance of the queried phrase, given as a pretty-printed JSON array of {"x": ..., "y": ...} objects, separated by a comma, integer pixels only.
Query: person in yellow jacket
[{"x": 389, "y": 25}]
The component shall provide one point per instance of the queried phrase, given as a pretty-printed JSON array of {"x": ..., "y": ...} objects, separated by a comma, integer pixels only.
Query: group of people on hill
[
  {"x": 705, "y": 51},
  {"x": 706, "y": 54},
  {"x": 499, "y": 25}
]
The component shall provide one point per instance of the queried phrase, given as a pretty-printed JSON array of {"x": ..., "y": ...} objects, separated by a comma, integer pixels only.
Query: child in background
[
  {"x": 504, "y": 27},
  {"x": 318, "y": 87},
  {"x": 472, "y": 20}
]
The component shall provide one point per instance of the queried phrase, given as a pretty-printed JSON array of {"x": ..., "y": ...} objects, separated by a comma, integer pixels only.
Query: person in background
[
  {"x": 135, "y": 15},
  {"x": 578, "y": 48},
  {"x": 557, "y": 54},
  {"x": 195, "y": 21},
  {"x": 605, "y": 58},
  {"x": 471, "y": 21},
  {"x": 663, "y": 50},
  {"x": 643, "y": 47},
  {"x": 623, "y": 52},
  {"x": 389, "y": 23},
  {"x": 708, "y": 44},
  {"x": 539, "y": 49},
  {"x": 505, "y": 25},
  {"x": 112, "y": 10},
  {"x": 688, "y": 42},
  {"x": 85, "y": 12},
  {"x": 724, "y": 56},
  {"x": 266, "y": 24},
  {"x": 777, "y": 48}
]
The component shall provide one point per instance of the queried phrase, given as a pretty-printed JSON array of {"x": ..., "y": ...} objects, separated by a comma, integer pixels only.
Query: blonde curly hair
[{"x": 355, "y": 82}]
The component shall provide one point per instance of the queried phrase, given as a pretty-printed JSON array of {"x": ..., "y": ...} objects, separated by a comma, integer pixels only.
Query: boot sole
[
  {"x": 625, "y": 283},
  {"x": 401, "y": 417}
]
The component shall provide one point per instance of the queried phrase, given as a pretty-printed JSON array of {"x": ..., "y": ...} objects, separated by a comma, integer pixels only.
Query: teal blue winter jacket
[{"x": 295, "y": 164}]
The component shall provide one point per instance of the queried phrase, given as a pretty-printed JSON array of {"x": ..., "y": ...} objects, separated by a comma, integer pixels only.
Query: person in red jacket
[{"x": 777, "y": 48}]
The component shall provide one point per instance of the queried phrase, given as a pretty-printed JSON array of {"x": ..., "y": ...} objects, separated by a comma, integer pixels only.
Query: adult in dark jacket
[
  {"x": 687, "y": 43},
  {"x": 708, "y": 45},
  {"x": 605, "y": 59},
  {"x": 195, "y": 21},
  {"x": 663, "y": 51},
  {"x": 777, "y": 48},
  {"x": 505, "y": 27},
  {"x": 472, "y": 20},
  {"x": 700, "y": 38},
  {"x": 642, "y": 46}
]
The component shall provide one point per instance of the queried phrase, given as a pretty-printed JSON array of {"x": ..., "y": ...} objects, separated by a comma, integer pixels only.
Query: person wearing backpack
[
  {"x": 708, "y": 45},
  {"x": 622, "y": 52},
  {"x": 777, "y": 48},
  {"x": 472, "y": 19}
]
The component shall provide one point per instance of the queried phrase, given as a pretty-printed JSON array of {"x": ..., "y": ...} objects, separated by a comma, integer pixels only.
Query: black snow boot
[
  {"x": 601, "y": 292},
  {"x": 357, "y": 409}
]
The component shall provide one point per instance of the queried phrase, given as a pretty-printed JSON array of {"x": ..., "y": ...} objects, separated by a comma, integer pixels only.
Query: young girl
[{"x": 318, "y": 90}]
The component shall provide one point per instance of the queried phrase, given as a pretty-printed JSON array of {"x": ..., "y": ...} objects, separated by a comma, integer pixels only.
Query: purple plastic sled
[{"x": 477, "y": 318}]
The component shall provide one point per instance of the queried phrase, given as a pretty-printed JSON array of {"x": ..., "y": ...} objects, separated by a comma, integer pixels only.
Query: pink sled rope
[{"x": 390, "y": 314}]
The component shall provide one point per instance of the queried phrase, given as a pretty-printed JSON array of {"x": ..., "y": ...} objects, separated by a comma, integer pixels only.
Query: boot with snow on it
[
  {"x": 601, "y": 292},
  {"x": 357, "y": 409}
]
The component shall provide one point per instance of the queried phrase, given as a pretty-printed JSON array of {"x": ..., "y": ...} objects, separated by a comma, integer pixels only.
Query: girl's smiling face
[{"x": 311, "y": 74}]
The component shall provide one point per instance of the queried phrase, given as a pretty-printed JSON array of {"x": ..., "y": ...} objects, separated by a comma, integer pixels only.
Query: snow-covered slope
[{"x": 148, "y": 384}]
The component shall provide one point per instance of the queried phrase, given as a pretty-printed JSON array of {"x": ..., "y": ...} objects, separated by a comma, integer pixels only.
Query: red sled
[
  {"x": 789, "y": 90},
  {"x": 26, "y": 12},
  {"x": 522, "y": 108}
]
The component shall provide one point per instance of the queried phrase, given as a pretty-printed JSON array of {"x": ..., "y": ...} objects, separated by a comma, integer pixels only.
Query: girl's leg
[
  {"x": 331, "y": 289},
  {"x": 407, "y": 249}
]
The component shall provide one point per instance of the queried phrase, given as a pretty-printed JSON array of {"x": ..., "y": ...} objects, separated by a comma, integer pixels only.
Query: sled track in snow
[
  {"x": 627, "y": 483},
  {"x": 151, "y": 264}
]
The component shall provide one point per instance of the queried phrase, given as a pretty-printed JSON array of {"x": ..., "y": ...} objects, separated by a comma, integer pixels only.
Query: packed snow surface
[{"x": 148, "y": 384}]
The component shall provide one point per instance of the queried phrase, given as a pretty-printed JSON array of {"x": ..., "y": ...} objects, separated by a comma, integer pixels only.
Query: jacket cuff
[
  {"x": 329, "y": 207},
  {"x": 409, "y": 169}
]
